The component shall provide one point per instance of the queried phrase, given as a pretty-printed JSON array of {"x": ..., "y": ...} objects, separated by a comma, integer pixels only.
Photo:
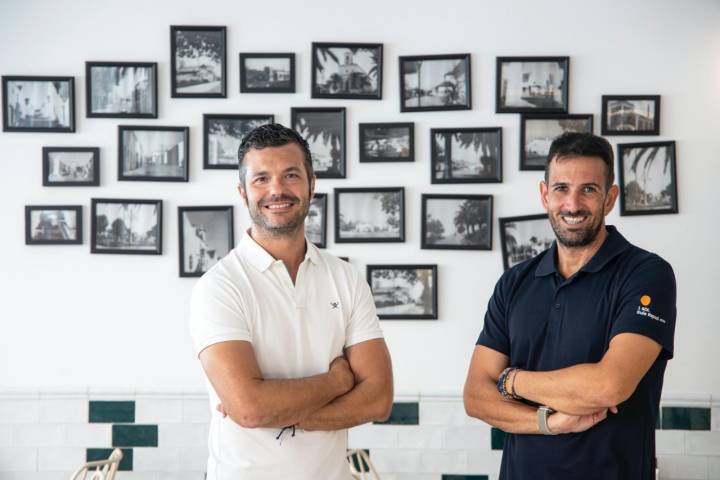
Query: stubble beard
[
  {"x": 580, "y": 238},
  {"x": 279, "y": 229}
]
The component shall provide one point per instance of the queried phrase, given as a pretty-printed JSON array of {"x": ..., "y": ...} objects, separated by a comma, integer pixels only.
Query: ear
[
  {"x": 312, "y": 187},
  {"x": 243, "y": 194},
  {"x": 544, "y": 194},
  {"x": 610, "y": 199}
]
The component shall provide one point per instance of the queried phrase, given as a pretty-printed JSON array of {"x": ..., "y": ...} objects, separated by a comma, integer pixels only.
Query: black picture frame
[
  {"x": 19, "y": 115},
  {"x": 533, "y": 157},
  {"x": 478, "y": 140},
  {"x": 153, "y": 163},
  {"x": 373, "y": 234},
  {"x": 535, "y": 238},
  {"x": 115, "y": 233},
  {"x": 387, "y": 298},
  {"x": 125, "y": 72},
  {"x": 53, "y": 231},
  {"x": 316, "y": 231},
  {"x": 634, "y": 192},
  {"x": 79, "y": 176},
  {"x": 351, "y": 81},
  {"x": 235, "y": 132},
  {"x": 442, "y": 87},
  {"x": 211, "y": 246},
  {"x": 326, "y": 132},
  {"x": 533, "y": 102},
  {"x": 399, "y": 150},
  {"x": 475, "y": 210},
  {"x": 625, "y": 118},
  {"x": 202, "y": 72},
  {"x": 247, "y": 78}
]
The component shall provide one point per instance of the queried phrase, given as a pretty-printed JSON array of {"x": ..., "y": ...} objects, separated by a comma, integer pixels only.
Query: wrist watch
[{"x": 542, "y": 418}]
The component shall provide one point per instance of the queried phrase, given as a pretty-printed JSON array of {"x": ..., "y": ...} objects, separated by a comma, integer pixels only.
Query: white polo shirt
[{"x": 296, "y": 331}]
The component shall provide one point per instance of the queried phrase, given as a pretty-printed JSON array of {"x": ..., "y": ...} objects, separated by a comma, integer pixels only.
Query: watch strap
[{"x": 542, "y": 419}]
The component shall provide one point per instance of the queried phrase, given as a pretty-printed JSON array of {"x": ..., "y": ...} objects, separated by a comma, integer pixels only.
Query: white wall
[{"x": 70, "y": 318}]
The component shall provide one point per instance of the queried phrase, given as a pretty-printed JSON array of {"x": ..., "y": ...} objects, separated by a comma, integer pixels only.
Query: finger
[{"x": 613, "y": 409}]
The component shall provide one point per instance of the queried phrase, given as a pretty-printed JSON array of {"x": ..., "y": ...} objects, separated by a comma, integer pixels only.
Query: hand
[
  {"x": 559, "y": 422},
  {"x": 340, "y": 368}
]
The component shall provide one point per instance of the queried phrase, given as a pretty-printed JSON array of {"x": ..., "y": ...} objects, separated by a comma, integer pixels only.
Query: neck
[
  {"x": 289, "y": 248},
  {"x": 572, "y": 259}
]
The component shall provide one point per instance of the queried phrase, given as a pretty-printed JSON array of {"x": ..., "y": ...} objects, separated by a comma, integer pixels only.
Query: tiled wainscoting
[{"x": 47, "y": 434}]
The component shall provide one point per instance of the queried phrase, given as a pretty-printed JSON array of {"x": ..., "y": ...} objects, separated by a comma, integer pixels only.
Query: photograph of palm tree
[
  {"x": 222, "y": 135},
  {"x": 316, "y": 220},
  {"x": 466, "y": 155},
  {"x": 532, "y": 84},
  {"x": 435, "y": 82},
  {"x": 324, "y": 130},
  {"x": 126, "y": 226},
  {"x": 538, "y": 131},
  {"x": 347, "y": 70},
  {"x": 457, "y": 222},
  {"x": 522, "y": 238},
  {"x": 647, "y": 178},
  {"x": 369, "y": 214},
  {"x": 198, "y": 56},
  {"x": 404, "y": 291}
]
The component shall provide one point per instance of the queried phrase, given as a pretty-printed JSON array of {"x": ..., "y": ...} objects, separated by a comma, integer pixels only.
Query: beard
[
  {"x": 578, "y": 238},
  {"x": 281, "y": 226}
]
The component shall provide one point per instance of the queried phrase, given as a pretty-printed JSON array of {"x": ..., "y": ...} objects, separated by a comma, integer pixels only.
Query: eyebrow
[
  {"x": 265, "y": 172},
  {"x": 564, "y": 184}
]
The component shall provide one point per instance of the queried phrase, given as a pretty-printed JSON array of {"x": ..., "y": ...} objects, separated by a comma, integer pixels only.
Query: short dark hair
[
  {"x": 272, "y": 135},
  {"x": 574, "y": 144}
]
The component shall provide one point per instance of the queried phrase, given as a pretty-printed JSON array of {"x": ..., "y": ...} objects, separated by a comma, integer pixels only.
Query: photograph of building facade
[
  {"x": 532, "y": 84},
  {"x": 199, "y": 58},
  {"x": 267, "y": 72},
  {"x": 38, "y": 104},
  {"x": 631, "y": 115},
  {"x": 205, "y": 239},
  {"x": 122, "y": 89},
  {"x": 432, "y": 83},
  {"x": 341, "y": 70}
]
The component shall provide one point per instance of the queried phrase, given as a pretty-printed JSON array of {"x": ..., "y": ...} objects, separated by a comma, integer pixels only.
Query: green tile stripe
[
  {"x": 135, "y": 435},
  {"x": 356, "y": 460},
  {"x": 112, "y": 412},
  {"x": 404, "y": 413},
  {"x": 464, "y": 477},
  {"x": 685, "y": 418},
  {"x": 126, "y": 464},
  {"x": 497, "y": 438}
]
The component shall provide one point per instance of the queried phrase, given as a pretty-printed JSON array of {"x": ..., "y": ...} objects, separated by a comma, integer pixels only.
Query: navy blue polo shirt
[{"x": 543, "y": 322}]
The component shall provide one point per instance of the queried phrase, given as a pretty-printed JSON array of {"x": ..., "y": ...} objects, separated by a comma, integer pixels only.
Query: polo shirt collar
[
  {"x": 613, "y": 246},
  {"x": 260, "y": 259}
]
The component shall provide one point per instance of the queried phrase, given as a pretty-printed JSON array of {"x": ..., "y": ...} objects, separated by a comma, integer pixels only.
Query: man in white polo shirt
[{"x": 287, "y": 335}]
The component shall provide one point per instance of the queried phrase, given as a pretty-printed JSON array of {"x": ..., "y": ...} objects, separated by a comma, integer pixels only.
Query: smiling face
[
  {"x": 577, "y": 200},
  {"x": 277, "y": 190}
]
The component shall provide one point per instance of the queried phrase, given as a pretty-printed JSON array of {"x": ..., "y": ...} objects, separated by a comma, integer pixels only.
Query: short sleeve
[
  {"x": 495, "y": 333},
  {"x": 217, "y": 313},
  {"x": 647, "y": 305},
  {"x": 363, "y": 323}
]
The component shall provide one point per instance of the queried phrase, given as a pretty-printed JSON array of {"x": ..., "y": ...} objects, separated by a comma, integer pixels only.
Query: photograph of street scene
[
  {"x": 457, "y": 222},
  {"x": 126, "y": 226},
  {"x": 466, "y": 156},
  {"x": 435, "y": 83},
  {"x": 54, "y": 225},
  {"x": 199, "y": 61},
  {"x": 122, "y": 90},
  {"x": 369, "y": 215},
  {"x": 532, "y": 85},
  {"x": 153, "y": 154},
  {"x": 38, "y": 104},
  {"x": 403, "y": 292}
]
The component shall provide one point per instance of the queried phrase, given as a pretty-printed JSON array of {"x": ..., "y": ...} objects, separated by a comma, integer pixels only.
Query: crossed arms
[
  {"x": 357, "y": 388},
  {"x": 581, "y": 394}
]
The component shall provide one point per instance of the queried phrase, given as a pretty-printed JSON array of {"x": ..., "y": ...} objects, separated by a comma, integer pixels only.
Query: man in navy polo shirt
[{"x": 571, "y": 357}]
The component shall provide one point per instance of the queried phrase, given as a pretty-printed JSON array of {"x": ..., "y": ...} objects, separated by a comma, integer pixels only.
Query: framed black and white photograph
[
  {"x": 404, "y": 292},
  {"x": 387, "y": 142},
  {"x": 158, "y": 154},
  {"x": 324, "y": 130},
  {"x": 648, "y": 178},
  {"x": 206, "y": 235},
  {"x": 347, "y": 70},
  {"x": 524, "y": 237},
  {"x": 316, "y": 220},
  {"x": 435, "y": 82},
  {"x": 366, "y": 215},
  {"x": 222, "y": 134},
  {"x": 456, "y": 222},
  {"x": 537, "y": 132},
  {"x": 126, "y": 226},
  {"x": 267, "y": 73},
  {"x": 630, "y": 115},
  {"x": 466, "y": 155},
  {"x": 532, "y": 84},
  {"x": 53, "y": 225},
  {"x": 198, "y": 62},
  {"x": 71, "y": 166},
  {"x": 121, "y": 90},
  {"x": 38, "y": 104}
]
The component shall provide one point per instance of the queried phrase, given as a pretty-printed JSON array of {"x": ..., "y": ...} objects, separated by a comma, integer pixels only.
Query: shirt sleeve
[
  {"x": 647, "y": 305},
  {"x": 363, "y": 323},
  {"x": 495, "y": 333},
  {"x": 217, "y": 314}
]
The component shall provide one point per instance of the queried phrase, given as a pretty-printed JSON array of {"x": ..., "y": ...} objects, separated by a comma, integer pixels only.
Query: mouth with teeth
[{"x": 574, "y": 219}]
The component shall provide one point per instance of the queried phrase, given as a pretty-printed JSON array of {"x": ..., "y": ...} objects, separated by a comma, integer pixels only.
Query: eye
[
  {"x": 261, "y": 179},
  {"x": 589, "y": 189},
  {"x": 560, "y": 188}
]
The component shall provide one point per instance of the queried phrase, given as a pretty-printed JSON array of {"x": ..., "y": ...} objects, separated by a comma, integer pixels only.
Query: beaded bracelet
[{"x": 502, "y": 384}]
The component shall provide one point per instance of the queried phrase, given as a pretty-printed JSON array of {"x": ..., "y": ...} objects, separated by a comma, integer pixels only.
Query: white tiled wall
[{"x": 44, "y": 435}]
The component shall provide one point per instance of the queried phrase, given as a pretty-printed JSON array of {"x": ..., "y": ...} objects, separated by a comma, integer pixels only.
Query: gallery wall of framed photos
[{"x": 428, "y": 148}]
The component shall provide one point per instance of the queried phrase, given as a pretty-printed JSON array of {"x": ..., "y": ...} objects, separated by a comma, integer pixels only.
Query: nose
[{"x": 573, "y": 201}]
